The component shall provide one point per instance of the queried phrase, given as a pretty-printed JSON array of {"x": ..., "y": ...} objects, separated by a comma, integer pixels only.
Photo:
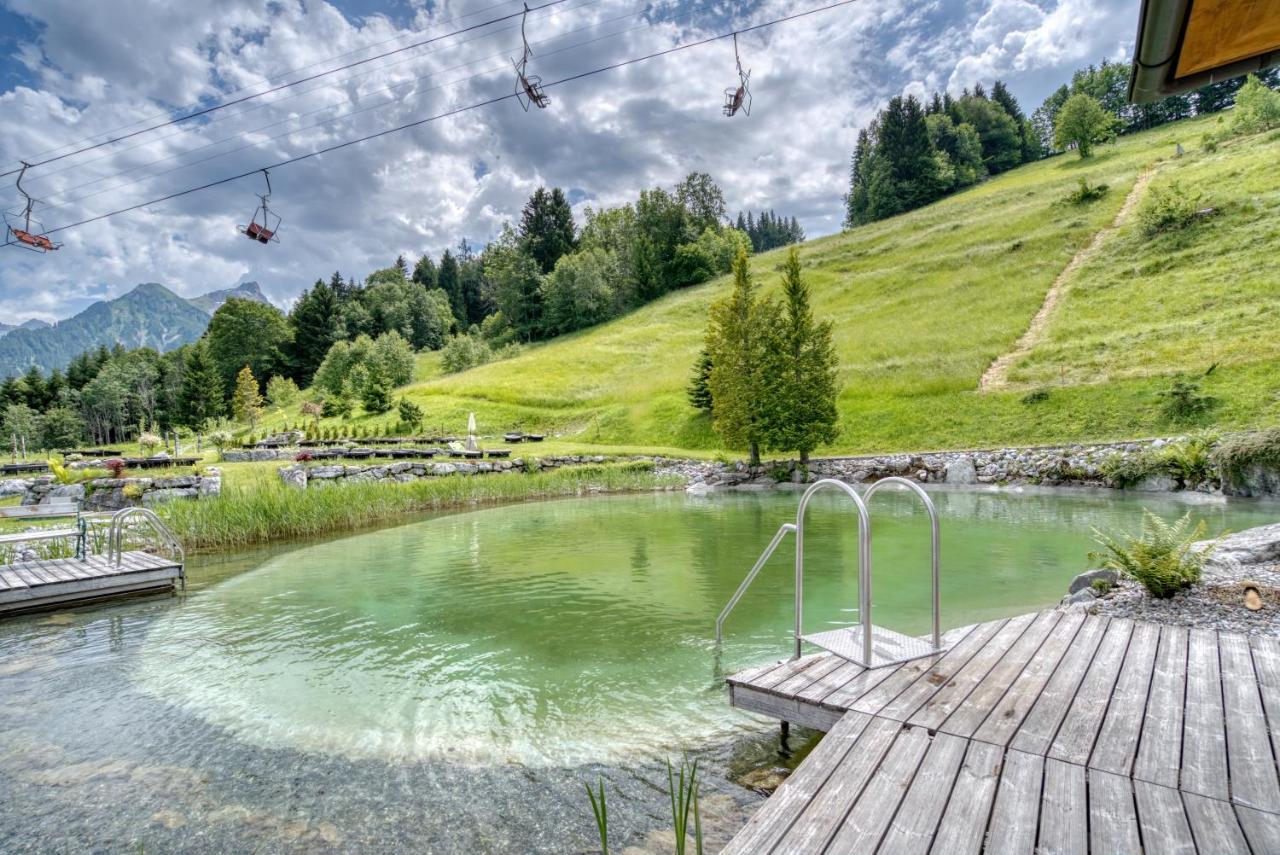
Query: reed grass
[{"x": 263, "y": 509}]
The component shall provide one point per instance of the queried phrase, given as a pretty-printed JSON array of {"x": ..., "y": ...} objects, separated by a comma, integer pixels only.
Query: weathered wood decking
[
  {"x": 1048, "y": 732},
  {"x": 47, "y": 583}
]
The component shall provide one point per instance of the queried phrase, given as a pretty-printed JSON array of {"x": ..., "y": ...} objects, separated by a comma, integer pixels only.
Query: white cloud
[{"x": 815, "y": 81}]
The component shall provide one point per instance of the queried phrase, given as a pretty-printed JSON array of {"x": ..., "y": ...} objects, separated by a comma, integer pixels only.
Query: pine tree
[
  {"x": 800, "y": 373},
  {"x": 200, "y": 398},
  {"x": 547, "y": 230},
  {"x": 246, "y": 401},
  {"x": 425, "y": 273},
  {"x": 737, "y": 341},
  {"x": 700, "y": 385}
]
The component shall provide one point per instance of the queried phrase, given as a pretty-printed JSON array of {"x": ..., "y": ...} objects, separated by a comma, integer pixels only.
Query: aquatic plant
[
  {"x": 601, "y": 811},
  {"x": 684, "y": 800},
  {"x": 264, "y": 509}
]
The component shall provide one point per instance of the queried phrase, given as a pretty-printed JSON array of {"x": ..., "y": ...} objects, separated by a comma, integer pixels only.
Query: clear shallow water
[{"x": 447, "y": 685}]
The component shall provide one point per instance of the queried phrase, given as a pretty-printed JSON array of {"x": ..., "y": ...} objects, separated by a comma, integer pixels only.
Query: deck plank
[
  {"x": 1113, "y": 817},
  {"x": 772, "y": 821},
  {"x": 823, "y": 815},
  {"x": 1064, "y": 827},
  {"x": 1162, "y": 820},
  {"x": 868, "y": 820},
  {"x": 1261, "y": 829},
  {"x": 1074, "y": 740},
  {"x": 1204, "y": 746},
  {"x": 912, "y": 829},
  {"x": 998, "y": 682},
  {"x": 1266, "y": 665},
  {"x": 1016, "y": 816},
  {"x": 1160, "y": 743},
  {"x": 964, "y": 822},
  {"x": 1117, "y": 741},
  {"x": 1040, "y": 725},
  {"x": 1214, "y": 826},
  {"x": 1252, "y": 766},
  {"x": 930, "y": 674}
]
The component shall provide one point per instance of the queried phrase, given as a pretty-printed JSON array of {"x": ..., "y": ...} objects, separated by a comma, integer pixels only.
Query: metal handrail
[
  {"x": 934, "y": 543},
  {"x": 115, "y": 537},
  {"x": 864, "y": 562},
  {"x": 742, "y": 589}
]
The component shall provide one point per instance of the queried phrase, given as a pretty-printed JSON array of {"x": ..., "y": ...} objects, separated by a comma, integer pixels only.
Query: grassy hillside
[{"x": 923, "y": 303}]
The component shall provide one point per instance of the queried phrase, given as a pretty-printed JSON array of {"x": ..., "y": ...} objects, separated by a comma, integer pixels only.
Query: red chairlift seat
[
  {"x": 264, "y": 224},
  {"x": 38, "y": 242},
  {"x": 733, "y": 100}
]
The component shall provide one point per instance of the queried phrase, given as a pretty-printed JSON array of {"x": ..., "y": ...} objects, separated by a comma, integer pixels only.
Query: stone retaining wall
[
  {"x": 1049, "y": 466},
  {"x": 110, "y": 494},
  {"x": 304, "y": 475}
]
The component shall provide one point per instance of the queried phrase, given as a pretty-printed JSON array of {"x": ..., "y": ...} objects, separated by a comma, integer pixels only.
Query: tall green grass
[{"x": 264, "y": 509}]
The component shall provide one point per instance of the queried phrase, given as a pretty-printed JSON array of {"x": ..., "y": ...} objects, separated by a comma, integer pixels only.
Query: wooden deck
[
  {"x": 1048, "y": 732},
  {"x": 32, "y": 585}
]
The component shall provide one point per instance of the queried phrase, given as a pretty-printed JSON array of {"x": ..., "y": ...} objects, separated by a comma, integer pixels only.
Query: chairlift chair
[
  {"x": 529, "y": 89},
  {"x": 21, "y": 229},
  {"x": 738, "y": 98},
  {"x": 264, "y": 226}
]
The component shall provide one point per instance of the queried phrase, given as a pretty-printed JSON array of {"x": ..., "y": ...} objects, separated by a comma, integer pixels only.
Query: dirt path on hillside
[{"x": 997, "y": 374}]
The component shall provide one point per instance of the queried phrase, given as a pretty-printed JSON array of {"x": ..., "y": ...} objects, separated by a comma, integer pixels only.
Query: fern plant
[{"x": 1159, "y": 558}]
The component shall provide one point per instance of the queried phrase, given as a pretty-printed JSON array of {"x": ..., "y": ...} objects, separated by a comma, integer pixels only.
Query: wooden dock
[
  {"x": 1048, "y": 732},
  {"x": 49, "y": 583}
]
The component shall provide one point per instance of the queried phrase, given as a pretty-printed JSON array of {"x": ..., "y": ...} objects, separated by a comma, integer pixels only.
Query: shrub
[
  {"x": 302, "y": 456},
  {"x": 1168, "y": 209},
  {"x": 1125, "y": 470},
  {"x": 1159, "y": 558},
  {"x": 1036, "y": 396},
  {"x": 1238, "y": 452},
  {"x": 338, "y": 405},
  {"x": 1190, "y": 460},
  {"x": 149, "y": 442},
  {"x": 462, "y": 352},
  {"x": 1257, "y": 108},
  {"x": 282, "y": 391},
  {"x": 410, "y": 413},
  {"x": 115, "y": 466},
  {"x": 132, "y": 491},
  {"x": 1182, "y": 400},
  {"x": 1210, "y": 142},
  {"x": 1085, "y": 193}
]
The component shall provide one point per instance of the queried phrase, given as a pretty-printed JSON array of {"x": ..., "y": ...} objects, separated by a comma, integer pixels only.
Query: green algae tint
[{"x": 582, "y": 630}]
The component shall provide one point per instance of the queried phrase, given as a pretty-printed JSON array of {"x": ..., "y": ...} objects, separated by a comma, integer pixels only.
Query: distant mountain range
[{"x": 148, "y": 316}]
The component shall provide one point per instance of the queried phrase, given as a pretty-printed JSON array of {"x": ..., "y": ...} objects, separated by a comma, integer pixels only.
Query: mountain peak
[{"x": 210, "y": 302}]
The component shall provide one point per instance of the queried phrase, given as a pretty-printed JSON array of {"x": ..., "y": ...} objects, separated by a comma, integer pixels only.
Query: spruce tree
[
  {"x": 700, "y": 385},
  {"x": 738, "y": 337},
  {"x": 450, "y": 281},
  {"x": 314, "y": 321},
  {"x": 200, "y": 398},
  {"x": 547, "y": 230},
  {"x": 799, "y": 373}
]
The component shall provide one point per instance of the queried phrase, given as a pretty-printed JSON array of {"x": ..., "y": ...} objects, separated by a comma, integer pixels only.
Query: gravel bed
[{"x": 1217, "y": 602}]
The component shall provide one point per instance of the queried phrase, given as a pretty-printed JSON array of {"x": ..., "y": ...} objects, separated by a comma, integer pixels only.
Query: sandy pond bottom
[{"x": 450, "y": 684}]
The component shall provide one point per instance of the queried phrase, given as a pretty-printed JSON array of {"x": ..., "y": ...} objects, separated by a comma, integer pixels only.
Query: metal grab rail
[
  {"x": 864, "y": 562},
  {"x": 934, "y": 544},
  {"x": 115, "y": 537},
  {"x": 746, "y": 583}
]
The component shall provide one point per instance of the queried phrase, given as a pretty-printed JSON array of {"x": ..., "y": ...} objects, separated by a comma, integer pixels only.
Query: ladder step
[{"x": 887, "y": 647}]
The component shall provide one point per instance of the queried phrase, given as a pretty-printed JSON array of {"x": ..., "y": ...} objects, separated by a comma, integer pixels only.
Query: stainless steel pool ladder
[
  {"x": 866, "y": 644},
  {"x": 165, "y": 535}
]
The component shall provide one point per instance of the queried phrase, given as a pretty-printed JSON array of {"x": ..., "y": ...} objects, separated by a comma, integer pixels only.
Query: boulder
[
  {"x": 294, "y": 476},
  {"x": 1085, "y": 580},
  {"x": 155, "y": 497},
  {"x": 1084, "y": 595},
  {"x": 443, "y": 469},
  {"x": 64, "y": 493},
  {"x": 325, "y": 472},
  {"x": 1254, "y": 480},
  {"x": 14, "y": 487},
  {"x": 1156, "y": 484},
  {"x": 1260, "y": 545}
]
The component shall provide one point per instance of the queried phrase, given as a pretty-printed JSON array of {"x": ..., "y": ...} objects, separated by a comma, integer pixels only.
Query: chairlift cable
[
  {"x": 216, "y": 107},
  {"x": 187, "y": 129},
  {"x": 280, "y": 74},
  {"x": 454, "y": 112},
  {"x": 64, "y": 201}
]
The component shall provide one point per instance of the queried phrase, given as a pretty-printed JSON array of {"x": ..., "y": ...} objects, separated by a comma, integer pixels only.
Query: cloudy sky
[{"x": 73, "y": 72}]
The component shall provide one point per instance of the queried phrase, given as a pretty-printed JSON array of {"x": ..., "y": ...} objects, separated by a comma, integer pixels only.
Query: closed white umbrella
[{"x": 471, "y": 432}]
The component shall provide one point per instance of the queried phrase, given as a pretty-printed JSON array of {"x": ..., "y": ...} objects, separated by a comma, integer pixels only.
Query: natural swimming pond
[{"x": 447, "y": 685}]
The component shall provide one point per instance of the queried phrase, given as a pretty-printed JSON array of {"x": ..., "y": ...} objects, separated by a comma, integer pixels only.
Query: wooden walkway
[
  {"x": 1048, "y": 732},
  {"x": 48, "y": 583}
]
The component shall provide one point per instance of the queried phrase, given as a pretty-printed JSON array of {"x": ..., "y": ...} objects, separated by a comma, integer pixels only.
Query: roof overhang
[{"x": 1185, "y": 44}]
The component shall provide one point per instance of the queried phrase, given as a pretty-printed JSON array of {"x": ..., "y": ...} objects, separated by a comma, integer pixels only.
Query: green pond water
[{"x": 447, "y": 684}]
